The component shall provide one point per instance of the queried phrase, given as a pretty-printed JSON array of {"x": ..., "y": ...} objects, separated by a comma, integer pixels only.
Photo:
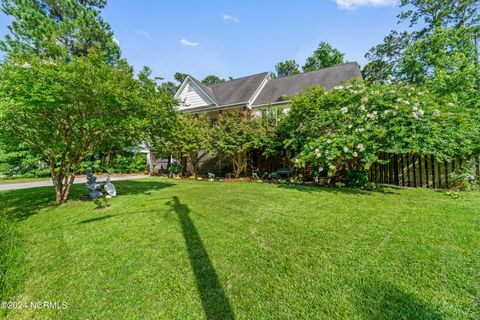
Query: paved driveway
[{"x": 47, "y": 183}]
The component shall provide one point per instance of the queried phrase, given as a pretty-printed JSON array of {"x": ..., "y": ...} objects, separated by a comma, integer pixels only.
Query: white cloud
[
  {"x": 228, "y": 17},
  {"x": 187, "y": 43},
  {"x": 144, "y": 34},
  {"x": 353, "y": 4}
]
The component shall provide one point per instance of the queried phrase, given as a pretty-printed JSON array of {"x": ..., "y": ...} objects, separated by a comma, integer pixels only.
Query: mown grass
[
  {"x": 185, "y": 249},
  {"x": 5, "y": 180},
  {"x": 12, "y": 260}
]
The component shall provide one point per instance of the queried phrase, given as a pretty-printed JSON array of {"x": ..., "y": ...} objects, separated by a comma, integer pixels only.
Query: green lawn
[
  {"x": 5, "y": 180},
  {"x": 185, "y": 249}
]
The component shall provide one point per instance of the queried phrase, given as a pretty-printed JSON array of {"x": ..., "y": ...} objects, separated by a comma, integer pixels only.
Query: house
[{"x": 259, "y": 91}]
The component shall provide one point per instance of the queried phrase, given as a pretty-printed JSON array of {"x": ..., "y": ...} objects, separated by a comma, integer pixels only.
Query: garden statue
[
  {"x": 110, "y": 188},
  {"x": 94, "y": 187}
]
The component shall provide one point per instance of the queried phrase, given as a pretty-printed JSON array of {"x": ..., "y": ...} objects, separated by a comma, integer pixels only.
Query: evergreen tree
[{"x": 58, "y": 29}]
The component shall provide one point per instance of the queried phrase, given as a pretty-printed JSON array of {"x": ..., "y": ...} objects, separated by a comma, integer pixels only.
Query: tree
[
  {"x": 446, "y": 61},
  {"x": 286, "y": 68},
  {"x": 169, "y": 87},
  {"x": 65, "y": 111},
  {"x": 377, "y": 71},
  {"x": 160, "y": 123},
  {"x": 193, "y": 139},
  {"x": 212, "y": 79},
  {"x": 324, "y": 56},
  {"x": 180, "y": 77},
  {"x": 236, "y": 134},
  {"x": 387, "y": 56},
  {"x": 62, "y": 28},
  {"x": 346, "y": 128},
  {"x": 424, "y": 17}
]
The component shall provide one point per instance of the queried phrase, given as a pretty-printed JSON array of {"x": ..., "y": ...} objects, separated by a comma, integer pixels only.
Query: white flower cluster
[
  {"x": 371, "y": 116},
  {"x": 344, "y": 110}
]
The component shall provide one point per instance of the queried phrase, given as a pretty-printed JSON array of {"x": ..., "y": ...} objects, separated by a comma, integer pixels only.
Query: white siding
[{"x": 192, "y": 97}]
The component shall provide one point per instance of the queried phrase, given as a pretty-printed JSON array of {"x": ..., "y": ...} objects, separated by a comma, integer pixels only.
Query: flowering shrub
[{"x": 346, "y": 127}]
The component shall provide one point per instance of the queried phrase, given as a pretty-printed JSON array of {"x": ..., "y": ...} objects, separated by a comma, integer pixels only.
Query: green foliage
[
  {"x": 324, "y": 56},
  {"x": 180, "y": 77},
  {"x": 465, "y": 178},
  {"x": 176, "y": 167},
  {"x": 377, "y": 71},
  {"x": 65, "y": 111},
  {"x": 445, "y": 60},
  {"x": 286, "y": 68},
  {"x": 357, "y": 178},
  {"x": 193, "y": 139},
  {"x": 440, "y": 45},
  {"x": 236, "y": 134},
  {"x": 101, "y": 203},
  {"x": 62, "y": 28},
  {"x": 160, "y": 119},
  {"x": 211, "y": 80},
  {"x": 345, "y": 128}
]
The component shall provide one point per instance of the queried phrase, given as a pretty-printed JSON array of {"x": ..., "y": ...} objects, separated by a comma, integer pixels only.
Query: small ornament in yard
[
  {"x": 110, "y": 188},
  {"x": 95, "y": 188}
]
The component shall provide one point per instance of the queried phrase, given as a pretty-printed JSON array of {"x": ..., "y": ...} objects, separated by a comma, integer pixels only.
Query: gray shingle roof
[
  {"x": 237, "y": 91},
  {"x": 277, "y": 89}
]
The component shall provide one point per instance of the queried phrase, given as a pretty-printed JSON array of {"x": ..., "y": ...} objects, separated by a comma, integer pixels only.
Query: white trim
[
  {"x": 272, "y": 104},
  {"x": 196, "y": 85},
  {"x": 258, "y": 91}
]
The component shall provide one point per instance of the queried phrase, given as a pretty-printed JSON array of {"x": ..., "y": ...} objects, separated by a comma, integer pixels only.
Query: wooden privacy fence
[{"x": 411, "y": 170}]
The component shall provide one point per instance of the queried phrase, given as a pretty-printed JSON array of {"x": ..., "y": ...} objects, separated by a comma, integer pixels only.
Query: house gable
[{"x": 191, "y": 96}]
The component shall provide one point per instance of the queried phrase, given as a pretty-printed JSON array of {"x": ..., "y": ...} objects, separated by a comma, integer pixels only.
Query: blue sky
[{"x": 242, "y": 37}]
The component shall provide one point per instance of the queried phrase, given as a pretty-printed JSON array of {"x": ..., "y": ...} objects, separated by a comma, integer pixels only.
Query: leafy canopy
[
  {"x": 286, "y": 68},
  {"x": 346, "y": 128},
  {"x": 324, "y": 56},
  {"x": 61, "y": 28},
  {"x": 65, "y": 111}
]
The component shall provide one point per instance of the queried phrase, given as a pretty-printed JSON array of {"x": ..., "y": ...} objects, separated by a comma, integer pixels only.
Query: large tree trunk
[
  {"x": 239, "y": 164},
  {"x": 63, "y": 178},
  {"x": 62, "y": 184}
]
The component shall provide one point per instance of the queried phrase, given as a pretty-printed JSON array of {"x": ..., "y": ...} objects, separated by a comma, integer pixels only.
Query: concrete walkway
[{"x": 78, "y": 180}]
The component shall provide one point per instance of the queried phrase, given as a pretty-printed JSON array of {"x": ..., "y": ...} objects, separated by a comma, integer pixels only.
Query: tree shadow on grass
[
  {"x": 96, "y": 219},
  {"x": 383, "y": 300},
  {"x": 214, "y": 300},
  {"x": 346, "y": 191},
  {"x": 21, "y": 204}
]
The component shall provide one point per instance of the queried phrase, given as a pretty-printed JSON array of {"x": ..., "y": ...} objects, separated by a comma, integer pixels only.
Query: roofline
[
  {"x": 271, "y": 104},
  {"x": 326, "y": 68},
  {"x": 213, "y": 108},
  {"x": 193, "y": 80},
  {"x": 259, "y": 89},
  {"x": 252, "y": 75}
]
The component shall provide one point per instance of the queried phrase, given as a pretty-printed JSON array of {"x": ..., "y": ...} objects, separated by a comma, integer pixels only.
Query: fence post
[
  {"x": 395, "y": 168},
  {"x": 414, "y": 160},
  {"x": 426, "y": 170},
  {"x": 432, "y": 160},
  {"x": 420, "y": 169},
  {"x": 408, "y": 169}
]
